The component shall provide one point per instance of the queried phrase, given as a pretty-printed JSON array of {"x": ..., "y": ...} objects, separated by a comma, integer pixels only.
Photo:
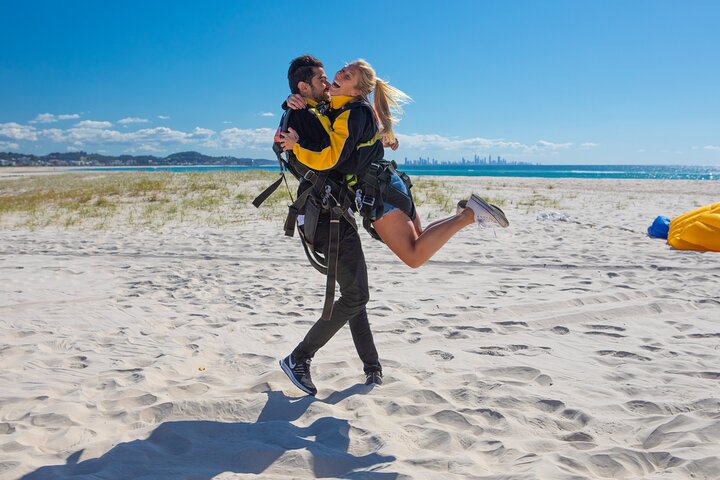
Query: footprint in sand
[
  {"x": 158, "y": 413},
  {"x": 580, "y": 440},
  {"x": 704, "y": 335},
  {"x": 495, "y": 350},
  {"x": 6, "y": 429},
  {"x": 571, "y": 419},
  {"x": 475, "y": 329},
  {"x": 441, "y": 355},
  {"x": 520, "y": 374},
  {"x": 414, "y": 321},
  {"x": 605, "y": 334},
  {"x": 643, "y": 407},
  {"x": 512, "y": 324},
  {"x": 78, "y": 361},
  {"x": 622, "y": 354},
  {"x": 606, "y": 327},
  {"x": 454, "y": 335},
  {"x": 560, "y": 330},
  {"x": 550, "y": 406}
]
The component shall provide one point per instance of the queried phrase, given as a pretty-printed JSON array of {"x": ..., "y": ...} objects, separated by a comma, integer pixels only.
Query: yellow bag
[{"x": 697, "y": 230}]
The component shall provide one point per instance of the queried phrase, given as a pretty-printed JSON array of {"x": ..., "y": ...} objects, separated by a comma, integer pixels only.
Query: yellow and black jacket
[{"x": 350, "y": 143}]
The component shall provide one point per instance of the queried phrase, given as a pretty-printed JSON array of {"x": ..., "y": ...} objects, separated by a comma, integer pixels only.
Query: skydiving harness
[{"x": 339, "y": 198}]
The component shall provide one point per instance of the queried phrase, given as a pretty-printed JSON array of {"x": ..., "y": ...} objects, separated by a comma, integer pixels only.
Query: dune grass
[
  {"x": 152, "y": 200},
  {"x": 139, "y": 199}
]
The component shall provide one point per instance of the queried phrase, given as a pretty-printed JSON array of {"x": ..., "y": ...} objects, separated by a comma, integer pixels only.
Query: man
[{"x": 306, "y": 77}]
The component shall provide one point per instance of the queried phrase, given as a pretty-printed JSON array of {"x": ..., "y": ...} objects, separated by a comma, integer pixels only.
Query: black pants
[{"x": 350, "y": 306}]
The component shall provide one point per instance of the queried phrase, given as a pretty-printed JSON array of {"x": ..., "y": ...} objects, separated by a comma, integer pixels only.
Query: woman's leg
[
  {"x": 418, "y": 226},
  {"x": 401, "y": 235}
]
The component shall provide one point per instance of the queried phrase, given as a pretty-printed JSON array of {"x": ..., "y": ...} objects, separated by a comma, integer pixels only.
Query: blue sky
[{"x": 580, "y": 82}]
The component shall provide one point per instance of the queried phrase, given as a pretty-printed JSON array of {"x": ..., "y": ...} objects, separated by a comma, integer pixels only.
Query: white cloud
[
  {"x": 473, "y": 144},
  {"x": 712, "y": 148},
  {"x": 15, "y": 131},
  {"x": 128, "y": 120},
  {"x": 144, "y": 148},
  {"x": 9, "y": 145},
  {"x": 255, "y": 138},
  {"x": 163, "y": 117},
  {"x": 93, "y": 134},
  {"x": 589, "y": 145},
  {"x": 151, "y": 136},
  {"x": 545, "y": 145},
  {"x": 51, "y": 118},
  {"x": 202, "y": 133},
  {"x": 93, "y": 124},
  {"x": 267, "y": 114}
]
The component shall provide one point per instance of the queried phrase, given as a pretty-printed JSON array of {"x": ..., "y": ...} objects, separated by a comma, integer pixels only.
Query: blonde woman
[{"x": 357, "y": 133}]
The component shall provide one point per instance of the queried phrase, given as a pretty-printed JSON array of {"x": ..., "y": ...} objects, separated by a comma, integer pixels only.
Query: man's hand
[
  {"x": 296, "y": 101},
  {"x": 289, "y": 139},
  {"x": 393, "y": 146}
]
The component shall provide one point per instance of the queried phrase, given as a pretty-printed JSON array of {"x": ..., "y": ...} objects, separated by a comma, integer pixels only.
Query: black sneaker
[
  {"x": 373, "y": 378},
  {"x": 298, "y": 371}
]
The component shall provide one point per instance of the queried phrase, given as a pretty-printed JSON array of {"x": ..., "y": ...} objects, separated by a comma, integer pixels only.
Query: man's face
[{"x": 319, "y": 86}]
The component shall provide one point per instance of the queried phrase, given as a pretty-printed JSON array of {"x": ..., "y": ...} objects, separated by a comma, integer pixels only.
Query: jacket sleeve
[
  {"x": 313, "y": 134},
  {"x": 343, "y": 138}
]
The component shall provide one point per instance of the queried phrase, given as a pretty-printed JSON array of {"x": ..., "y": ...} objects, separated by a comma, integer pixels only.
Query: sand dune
[{"x": 548, "y": 350}]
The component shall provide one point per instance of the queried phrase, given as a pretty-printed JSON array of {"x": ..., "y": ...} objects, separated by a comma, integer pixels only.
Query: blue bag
[{"x": 659, "y": 228}]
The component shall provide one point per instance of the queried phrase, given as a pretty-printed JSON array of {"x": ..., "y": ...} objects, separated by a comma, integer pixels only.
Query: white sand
[{"x": 553, "y": 350}]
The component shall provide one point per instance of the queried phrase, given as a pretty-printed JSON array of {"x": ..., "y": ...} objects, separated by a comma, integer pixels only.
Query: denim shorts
[{"x": 397, "y": 183}]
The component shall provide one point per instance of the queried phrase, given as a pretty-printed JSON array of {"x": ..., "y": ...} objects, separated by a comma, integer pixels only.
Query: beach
[{"x": 142, "y": 319}]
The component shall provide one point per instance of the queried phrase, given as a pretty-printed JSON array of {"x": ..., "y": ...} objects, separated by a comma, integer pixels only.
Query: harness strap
[
  {"x": 268, "y": 191},
  {"x": 332, "y": 257},
  {"x": 284, "y": 164}
]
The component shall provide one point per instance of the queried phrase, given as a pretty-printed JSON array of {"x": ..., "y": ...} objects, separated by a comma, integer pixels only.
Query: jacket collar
[{"x": 339, "y": 101}]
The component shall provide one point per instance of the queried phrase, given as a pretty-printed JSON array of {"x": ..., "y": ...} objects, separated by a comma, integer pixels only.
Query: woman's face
[{"x": 345, "y": 82}]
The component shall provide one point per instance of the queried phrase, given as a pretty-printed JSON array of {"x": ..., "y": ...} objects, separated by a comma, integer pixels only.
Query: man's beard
[{"x": 321, "y": 96}]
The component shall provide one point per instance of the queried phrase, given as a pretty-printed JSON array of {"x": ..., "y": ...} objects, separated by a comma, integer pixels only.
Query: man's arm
[
  {"x": 312, "y": 133},
  {"x": 342, "y": 142}
]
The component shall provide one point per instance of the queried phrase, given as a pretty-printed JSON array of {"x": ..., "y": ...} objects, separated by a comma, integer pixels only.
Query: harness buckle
[
  {"x": 358, "y": 199},
  {"x": 369, "y": 201},
  {"x": 310, "y": 176},
  {"x": 326, "y": 196}
]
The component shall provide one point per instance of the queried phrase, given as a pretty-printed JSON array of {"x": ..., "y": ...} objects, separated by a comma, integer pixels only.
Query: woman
[{"x": 350, "y": 129}]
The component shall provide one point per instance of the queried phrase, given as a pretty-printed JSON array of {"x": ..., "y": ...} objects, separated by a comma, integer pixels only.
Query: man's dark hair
[{"x": 301, "y": 70}]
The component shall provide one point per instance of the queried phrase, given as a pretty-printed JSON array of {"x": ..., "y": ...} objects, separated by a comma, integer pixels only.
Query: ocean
[{"x": 655, "y": 172}]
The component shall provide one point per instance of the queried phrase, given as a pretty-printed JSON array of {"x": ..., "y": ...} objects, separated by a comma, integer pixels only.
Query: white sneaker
[{"x": 486, "y": 214}]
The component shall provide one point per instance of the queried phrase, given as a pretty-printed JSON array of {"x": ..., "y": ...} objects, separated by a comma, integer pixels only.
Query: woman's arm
[{"x": 343, "y": 136}]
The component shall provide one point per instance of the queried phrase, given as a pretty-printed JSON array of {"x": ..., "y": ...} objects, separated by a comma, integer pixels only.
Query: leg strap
[
  {"x": 332, "y": 259},
  {"x": 268, "y": 191}
]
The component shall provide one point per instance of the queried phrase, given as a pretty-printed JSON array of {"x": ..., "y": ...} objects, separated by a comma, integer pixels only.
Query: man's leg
[
  {"x": 350, "y": 307},
  {"x": 364, "y": 343}
]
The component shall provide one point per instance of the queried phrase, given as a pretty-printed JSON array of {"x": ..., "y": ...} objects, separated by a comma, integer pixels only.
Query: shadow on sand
[{"x": 201, "y": 450}]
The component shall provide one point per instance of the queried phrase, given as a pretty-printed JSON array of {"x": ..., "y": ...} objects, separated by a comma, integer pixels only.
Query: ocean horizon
[{"x": 650, "y": 172}]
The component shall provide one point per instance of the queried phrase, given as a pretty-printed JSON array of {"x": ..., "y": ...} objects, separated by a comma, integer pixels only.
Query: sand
[{"x": 575, "y": 349}]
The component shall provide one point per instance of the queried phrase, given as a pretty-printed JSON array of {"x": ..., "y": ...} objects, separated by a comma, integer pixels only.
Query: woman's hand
[
  {"x": 289, "y": 139},
  {"x": 296, "y": 101},
  {"x": 393, "y": 146}
]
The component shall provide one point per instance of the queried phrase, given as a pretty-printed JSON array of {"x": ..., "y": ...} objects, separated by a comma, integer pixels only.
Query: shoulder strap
[{"x": 284, "y": 163}]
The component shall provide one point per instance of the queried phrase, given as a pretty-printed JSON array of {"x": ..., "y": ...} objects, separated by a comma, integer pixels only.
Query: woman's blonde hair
[{"x": 387, "y": 100}]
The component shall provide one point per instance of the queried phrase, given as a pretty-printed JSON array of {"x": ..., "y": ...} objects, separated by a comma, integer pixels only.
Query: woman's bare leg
[
  {"x": 418, "y": 225},
  {"x": 400, "y": 234}
]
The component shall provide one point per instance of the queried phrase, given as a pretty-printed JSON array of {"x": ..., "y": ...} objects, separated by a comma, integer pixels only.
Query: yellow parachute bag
[{"x": 697, "y": 230}]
